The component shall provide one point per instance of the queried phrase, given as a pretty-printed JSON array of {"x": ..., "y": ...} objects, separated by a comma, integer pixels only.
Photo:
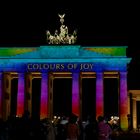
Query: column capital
[
  {"x": 123, "y": 72},
  {"x": 21, "y": 73},
  {"x": 44, "y": 73},
  {"x": 134, "y": 98},
  {"x": 99, "y": 74},
  {"x": 78, "y": 73}
]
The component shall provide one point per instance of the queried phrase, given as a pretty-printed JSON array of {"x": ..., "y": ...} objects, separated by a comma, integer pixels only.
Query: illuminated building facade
[{"x": 71, "y": 61}]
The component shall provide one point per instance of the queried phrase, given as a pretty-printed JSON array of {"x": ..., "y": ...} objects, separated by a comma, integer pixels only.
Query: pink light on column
[
  {"x": 123, "y": 100},
  {"x": 99, "y": 94},
  {"x": 0, "y": 95},
  {"x": 20, "y": 94},
  {"x": 75, "y": 94},
  {"x": 44, "y": 96}
]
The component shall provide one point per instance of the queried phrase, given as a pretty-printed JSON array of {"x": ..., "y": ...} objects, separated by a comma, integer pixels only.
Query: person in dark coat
[{"x": 91, "y": 129}]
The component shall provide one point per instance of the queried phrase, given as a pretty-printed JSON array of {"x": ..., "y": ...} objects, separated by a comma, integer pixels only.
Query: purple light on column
[
  {"x": 0, "y": 94},
  {"x": 123, "y": 100},
  {"x": 20, "y": 95},
  {"x": 75, "y": 94},
  {"x": 99, "y": 94},
  {"x": 44, "y": 96}
]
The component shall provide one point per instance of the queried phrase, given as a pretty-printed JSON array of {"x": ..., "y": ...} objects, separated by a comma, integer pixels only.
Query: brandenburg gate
[{"x": 53, "y": 61}]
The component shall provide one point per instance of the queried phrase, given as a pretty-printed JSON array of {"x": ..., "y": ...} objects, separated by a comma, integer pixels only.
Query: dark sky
[{"x": 98, "y": 23}]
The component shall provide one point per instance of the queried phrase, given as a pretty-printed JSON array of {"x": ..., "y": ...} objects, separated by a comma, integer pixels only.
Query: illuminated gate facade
[{"x": 49, "y": 62}]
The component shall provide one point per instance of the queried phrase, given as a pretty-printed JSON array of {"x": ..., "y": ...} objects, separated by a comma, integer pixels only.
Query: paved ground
[{"x": 127, "y": 136}]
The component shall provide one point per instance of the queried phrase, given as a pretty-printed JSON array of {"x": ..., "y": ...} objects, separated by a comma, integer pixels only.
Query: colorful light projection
[
  {"x": 115, "y": 51},
  {"x": 63, "y": 51},
  {"x": 20, "y": 96},
  {"x": 99, "y": 94},
  {"x": 44, "y": 96},
  {"x": 123, "y": 100},
  {"x": 75, "y": 94},
  {"x": 0, "y": 94},
  {"x": 103, "y": 59},
  {"x": 15, "y": 51}
]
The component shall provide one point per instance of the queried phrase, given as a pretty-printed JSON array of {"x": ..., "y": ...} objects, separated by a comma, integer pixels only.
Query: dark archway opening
[
  {"x": 62, "y": 96},
  {"x": 36, "y": 96},
  {"x": 88, "y": 98},
  {"x": 131, "y": 111},
  {"x": 111, "y": 97},
  {"x": 138, "y": 114},
  {"x": 14, "y": 90}
]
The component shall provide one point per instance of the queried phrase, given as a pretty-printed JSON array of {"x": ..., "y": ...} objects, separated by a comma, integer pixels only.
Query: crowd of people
[{"x": 60, "y": 128}]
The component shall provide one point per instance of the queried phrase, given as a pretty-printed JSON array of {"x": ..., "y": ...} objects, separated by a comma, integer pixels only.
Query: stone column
[
  {"x": 80, "y": 94},
  {"x": 44, "y": 96},
  {"x": 134, "y": 113},
  {"x": 129, "y": 112},
  {"x": 128, "y": 96},
  {"x": 123, "y": 101},
  {"x": 28, "y": 105},
  {"x": 50, "y": 95},
  {"x": 75, "y": 94},
  {"x": 20, "y": 94},
  {"x": 7, "y": 95},
  {"x": 1, "y": 95},
  {"x": 99, "y": 95}
]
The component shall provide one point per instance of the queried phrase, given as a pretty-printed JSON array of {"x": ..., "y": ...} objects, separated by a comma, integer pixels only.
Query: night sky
[{"x": 98, "y": 24}]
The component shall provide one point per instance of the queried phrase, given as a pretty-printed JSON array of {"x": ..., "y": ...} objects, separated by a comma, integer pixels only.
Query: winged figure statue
[{"x": 61, "y": 18}]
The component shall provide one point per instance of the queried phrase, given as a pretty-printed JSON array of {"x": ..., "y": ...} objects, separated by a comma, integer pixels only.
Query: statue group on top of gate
[{"x": 62, "y": 37}]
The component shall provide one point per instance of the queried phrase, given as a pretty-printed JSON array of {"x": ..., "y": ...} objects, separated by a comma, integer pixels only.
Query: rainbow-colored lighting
[
  {"x": 75, "y": 94},
  {"x": 123, "y": 100},
  {"x": 20, "y": 96},
  {"x": 99, "y": 94},
  {"x": 7, "y": 52},
  {"x": 0, "y": 94},
  {"x": 117, "y": 51},
  {"x": 101, "y": 58},
  {"x": 44, "y": 96}
]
